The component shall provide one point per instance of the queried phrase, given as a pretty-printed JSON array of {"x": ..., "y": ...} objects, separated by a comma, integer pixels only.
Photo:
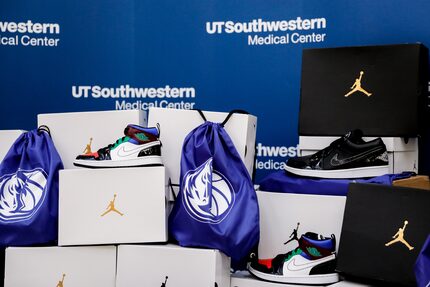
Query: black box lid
[{"x": 393, "y": 80}]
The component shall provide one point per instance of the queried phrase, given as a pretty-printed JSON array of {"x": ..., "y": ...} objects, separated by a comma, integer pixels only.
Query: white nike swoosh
[
  {"x": 292, "y": 266},
  {"x": 122, "y": 152}
]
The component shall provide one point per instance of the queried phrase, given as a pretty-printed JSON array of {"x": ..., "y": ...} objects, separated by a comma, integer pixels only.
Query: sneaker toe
[
  {"x": 299, "y": 162},
  {"x": 90, "y": 156}
]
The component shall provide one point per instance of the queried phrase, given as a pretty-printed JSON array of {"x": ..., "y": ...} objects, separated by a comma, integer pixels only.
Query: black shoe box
[
  {"x": 393, "y": 81},
  {"x": 377, "y": 216}
]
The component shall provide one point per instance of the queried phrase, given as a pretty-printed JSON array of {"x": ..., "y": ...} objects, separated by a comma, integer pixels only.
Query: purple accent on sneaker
[
  {"x": 151, "y": 130},
  {"x": 133, "y": 141},
  {"x": 326, "y": 244},
  {"x": 305, "y": 255}
]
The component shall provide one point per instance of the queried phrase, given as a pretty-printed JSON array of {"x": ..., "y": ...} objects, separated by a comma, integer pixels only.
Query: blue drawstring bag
[
  {"x": 422, "y": 266},
  {"x": 29, "y": 191},
  {"x": 217, "y": 205}
]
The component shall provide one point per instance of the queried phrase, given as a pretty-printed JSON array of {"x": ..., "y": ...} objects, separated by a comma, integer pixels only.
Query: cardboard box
[
  {"x": 379, "y": 89},
  {"x": 180, "y": 267},
  {"x": 72, "y": 132},
  {"x": 280, "y": 213},
  {"x": 402, "y": 156},
  {"x": 72, "y": 266},
  {"x": 176, "y": 124},
  {"x": 419, "y": 181},
  {"x": 7, "y": 138},
  {"x": 110, "y": 206}
]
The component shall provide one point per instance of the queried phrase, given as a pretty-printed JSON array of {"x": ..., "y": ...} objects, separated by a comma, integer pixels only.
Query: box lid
[{"x": 378, "y": 89}]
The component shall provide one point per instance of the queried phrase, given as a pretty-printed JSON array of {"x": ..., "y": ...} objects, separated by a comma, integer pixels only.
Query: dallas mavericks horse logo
[
  {"x": 207, "y": 194},
  {"x": 21, "y": 194}
]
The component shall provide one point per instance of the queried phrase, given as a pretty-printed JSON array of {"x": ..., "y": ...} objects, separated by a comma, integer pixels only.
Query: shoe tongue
[
  {"x": 311, "y": 235},
  {"x": 129, "y": 131},
  {"x": 136, "y": 133}
]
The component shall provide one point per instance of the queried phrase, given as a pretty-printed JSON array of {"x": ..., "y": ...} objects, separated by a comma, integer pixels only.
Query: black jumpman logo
[
  {"x": 165, "y": 282},
  {"x": 293, "y": 235}
]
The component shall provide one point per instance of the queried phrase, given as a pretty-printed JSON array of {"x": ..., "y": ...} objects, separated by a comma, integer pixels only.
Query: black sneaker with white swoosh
[
  {"x": 312, "y": 262},
  {"x": 347, "y": 157}
]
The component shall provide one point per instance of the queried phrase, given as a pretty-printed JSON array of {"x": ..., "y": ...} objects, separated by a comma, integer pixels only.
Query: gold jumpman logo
[
  {"x": 111, "y": 207},
  {"x": 356, "y": 87},
  {"x": 60, "y": 283},
  {"x": 87, "y": 149},
  {"x": 399, "y": 237}
]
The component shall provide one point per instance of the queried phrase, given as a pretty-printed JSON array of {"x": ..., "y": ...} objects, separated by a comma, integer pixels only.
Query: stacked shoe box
[
  {"x": 60, "y": 266},
  {"x": 85, "y": 195},
  {"x": 101, "y": 205},
  {"x": 121, "y": 206},
  {"x": 384, "y": 101},
  {"x": 171, "y": 265},
  {"x": 284, "y": 219}
]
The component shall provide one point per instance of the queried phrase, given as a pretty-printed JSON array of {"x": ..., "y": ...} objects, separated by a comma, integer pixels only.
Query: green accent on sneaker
[
  {"x": 313, "y": 251},
  {"x": 120, "y": 141},
  {"x": 295, "y": 252},
  {"x": 142, "y": 137}
]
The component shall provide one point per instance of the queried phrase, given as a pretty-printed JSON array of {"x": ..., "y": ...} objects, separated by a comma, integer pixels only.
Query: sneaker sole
[
  {"x": 370, "y": 171},
  {"x": 318, "y": 279},
  {"x": 141, "y": 161}
]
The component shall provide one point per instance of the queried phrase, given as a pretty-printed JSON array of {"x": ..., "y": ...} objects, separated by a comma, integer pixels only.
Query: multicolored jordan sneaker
[
  {"x": 313, "y": 262},
  {"x": 139, "y": 147}
]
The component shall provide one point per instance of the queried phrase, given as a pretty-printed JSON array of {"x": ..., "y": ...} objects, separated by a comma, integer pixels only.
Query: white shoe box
[
  {"x": 86, "y": 194},
  {"x": 402, "y": 156},
  {"x": 71, "y": 132},
  {"x": 245, "y": 279},
  {"x": 176, "y": 124},
  {"x": 280, "y": 213},
  {"x": 184, "y": 267},
  {"x": 7, "y": 138},
  {"x": 45, "y": 266}
]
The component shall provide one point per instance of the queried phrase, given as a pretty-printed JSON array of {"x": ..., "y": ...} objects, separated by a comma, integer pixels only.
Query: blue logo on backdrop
[
  {"x": 208, "y": 195},
  {"x": 21, "y": 194}
]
